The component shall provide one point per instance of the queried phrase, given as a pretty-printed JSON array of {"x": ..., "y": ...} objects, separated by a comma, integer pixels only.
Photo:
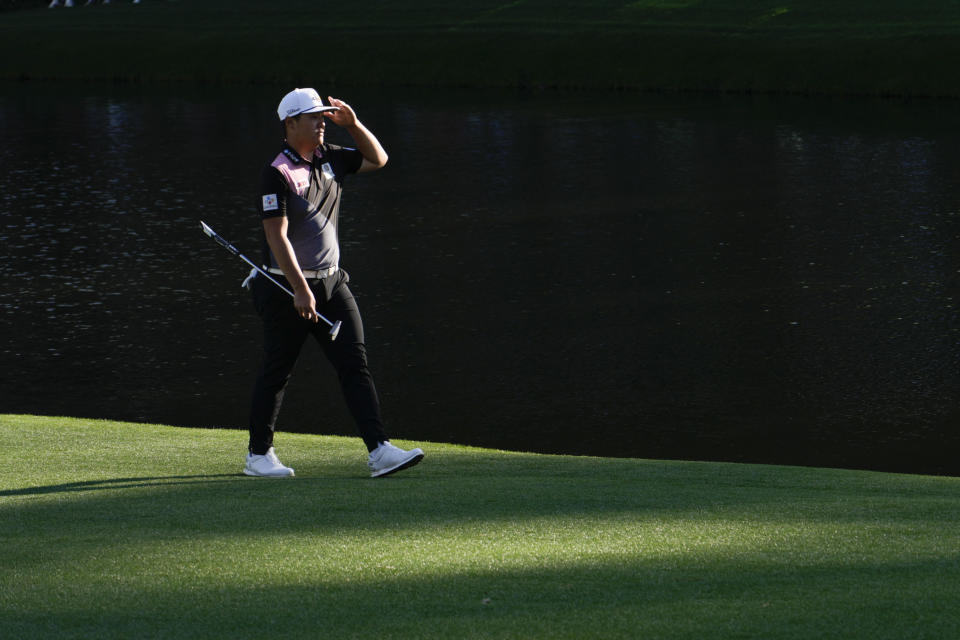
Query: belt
[{"x": 310, "y": 275}]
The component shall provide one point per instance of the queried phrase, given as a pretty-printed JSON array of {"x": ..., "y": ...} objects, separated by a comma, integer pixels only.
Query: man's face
[{"x": 306, "y": 130}]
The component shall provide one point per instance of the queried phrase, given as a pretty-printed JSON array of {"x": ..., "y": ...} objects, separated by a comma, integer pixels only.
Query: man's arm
[
  {"x": 276, "y": 231},
  {"x": 374, "y": 156}
]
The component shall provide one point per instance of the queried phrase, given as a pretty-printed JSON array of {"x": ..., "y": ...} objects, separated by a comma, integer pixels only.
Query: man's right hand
[{"x": 305, "y": 304}]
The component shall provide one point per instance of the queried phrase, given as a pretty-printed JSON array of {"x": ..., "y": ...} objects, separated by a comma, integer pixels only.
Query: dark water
[{"x": 745, "y": 279}]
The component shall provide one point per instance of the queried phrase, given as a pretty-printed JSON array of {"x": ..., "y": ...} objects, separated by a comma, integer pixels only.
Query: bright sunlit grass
[{"x": 123, "y": 530}]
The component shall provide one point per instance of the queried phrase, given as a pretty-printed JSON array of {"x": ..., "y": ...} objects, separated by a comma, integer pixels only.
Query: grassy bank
[
  {"x": 126, "y": 530},
  {"x": 862, "y": 46}
]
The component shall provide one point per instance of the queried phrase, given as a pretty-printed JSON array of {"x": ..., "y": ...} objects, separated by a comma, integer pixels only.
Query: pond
[{"x": 740, "y": 278}]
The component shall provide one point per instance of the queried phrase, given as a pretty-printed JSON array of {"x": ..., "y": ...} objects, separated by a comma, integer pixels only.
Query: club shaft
[{"x": 232, "y": 249}]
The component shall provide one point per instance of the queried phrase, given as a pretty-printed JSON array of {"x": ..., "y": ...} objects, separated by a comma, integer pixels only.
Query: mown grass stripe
[{"x": 117, "y": 529}]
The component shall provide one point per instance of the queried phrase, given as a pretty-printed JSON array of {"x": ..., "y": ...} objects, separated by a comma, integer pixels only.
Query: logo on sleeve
[{"x": 270, "y": 202}]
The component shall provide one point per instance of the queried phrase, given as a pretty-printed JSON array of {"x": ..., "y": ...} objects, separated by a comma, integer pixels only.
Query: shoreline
[{"x": 592, "y": 47}]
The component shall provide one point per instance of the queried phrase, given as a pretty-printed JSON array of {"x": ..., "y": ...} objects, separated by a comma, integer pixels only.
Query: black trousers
[{"x": 284, "y": 333}]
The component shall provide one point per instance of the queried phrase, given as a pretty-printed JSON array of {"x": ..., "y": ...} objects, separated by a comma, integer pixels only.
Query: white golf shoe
[
  {"x": 266, "y": 466},
  {"x": 387, "y": 459}
]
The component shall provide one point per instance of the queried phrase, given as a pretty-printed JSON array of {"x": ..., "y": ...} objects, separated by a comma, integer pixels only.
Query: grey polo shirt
[{"x": 307, "y": 192}]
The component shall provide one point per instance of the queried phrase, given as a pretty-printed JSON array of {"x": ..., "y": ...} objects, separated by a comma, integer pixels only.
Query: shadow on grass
[
  {"x": 627, "y": 598},
  {"x": 192, "y": 555},
  {"x": 456, "y": 487},
  {"x": 114, "y": 483}
]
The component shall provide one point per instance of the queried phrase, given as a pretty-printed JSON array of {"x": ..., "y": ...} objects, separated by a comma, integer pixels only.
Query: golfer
[{"x": 299, "y": 205}]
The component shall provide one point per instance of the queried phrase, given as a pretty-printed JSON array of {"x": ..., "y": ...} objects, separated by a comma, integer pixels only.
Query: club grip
[
  {"x": 219, "y": 240},
  {"x": 226, "y": 245}
]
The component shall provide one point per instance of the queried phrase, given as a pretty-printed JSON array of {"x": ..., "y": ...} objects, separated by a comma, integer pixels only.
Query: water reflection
[{"x": 686, "y": 277}]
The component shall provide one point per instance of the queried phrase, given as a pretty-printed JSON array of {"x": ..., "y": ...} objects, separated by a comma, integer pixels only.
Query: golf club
[{"x": 334, "y": 326}]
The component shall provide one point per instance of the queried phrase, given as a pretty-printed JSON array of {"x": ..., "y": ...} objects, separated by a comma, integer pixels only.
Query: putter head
[{"x": 335, "y": 329}]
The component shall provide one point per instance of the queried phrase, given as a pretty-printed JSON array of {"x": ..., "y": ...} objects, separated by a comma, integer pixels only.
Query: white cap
[{"x": 301, "y": 101}]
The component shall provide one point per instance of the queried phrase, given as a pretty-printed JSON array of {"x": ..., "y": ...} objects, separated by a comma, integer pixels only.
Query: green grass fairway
[
  {"x": 855, "y": 46},
  {"x": 116, "y": 530}
]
